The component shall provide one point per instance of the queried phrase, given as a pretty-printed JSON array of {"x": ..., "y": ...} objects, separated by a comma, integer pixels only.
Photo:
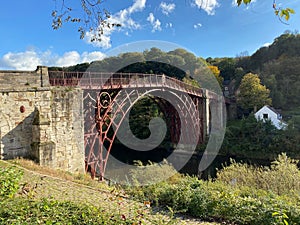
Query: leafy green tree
[
  {"x": 278, "y": 100},
  {"x": 279, "y": 69},
  {"x": 226, "y": 67},
  {"x": 206, "y": 78},
  {"x": 252, "y": 94},
  {"x": 153, "y": 54},
  {"x": 191, "y": 61},
  {"x": 249, "y": 138},
  {"x": 191, "y": 81}
]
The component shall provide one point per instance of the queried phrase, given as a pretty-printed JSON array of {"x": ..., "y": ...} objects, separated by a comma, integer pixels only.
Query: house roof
[
  {"x": 281, "y": 125},
  {"x": 272, "y": 109}
]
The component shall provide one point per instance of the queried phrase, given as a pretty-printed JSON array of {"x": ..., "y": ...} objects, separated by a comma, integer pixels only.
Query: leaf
[
  {"x": 54, "y": 13},
  {"x": 281, "y": 13},
  {"x": 287, "y": 16},
  {"x": 246, "y": 1},
  {"x": 285, "y": 216},
  {"x": 285, "y": 13},
  {"x": 290, "y": 10}
]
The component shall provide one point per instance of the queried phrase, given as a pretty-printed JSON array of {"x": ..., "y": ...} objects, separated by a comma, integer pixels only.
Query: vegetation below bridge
[{"x": 240, "y": 194}]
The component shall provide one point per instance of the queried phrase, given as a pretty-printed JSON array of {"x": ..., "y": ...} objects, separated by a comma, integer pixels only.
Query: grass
[{"x": 40, "y": 183}]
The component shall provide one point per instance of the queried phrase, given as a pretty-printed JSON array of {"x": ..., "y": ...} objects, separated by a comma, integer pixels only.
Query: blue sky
[{"x": 208, "y": 28}]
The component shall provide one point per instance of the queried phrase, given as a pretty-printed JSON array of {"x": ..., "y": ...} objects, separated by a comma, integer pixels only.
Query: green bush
[
  {"x": 178, "y": 195},
  {"x": 252, "y": 139},
  {"x": 25, "y": 211},
  {"x": 9, "y": 181},
  {"x": 282, "y": 177},
  {"x": 242, "y": 205},
  {"x": 240, "y": 195}
]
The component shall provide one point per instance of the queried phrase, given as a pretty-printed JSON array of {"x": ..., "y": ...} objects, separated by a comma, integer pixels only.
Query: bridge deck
[{"x": 104, "y": 81}]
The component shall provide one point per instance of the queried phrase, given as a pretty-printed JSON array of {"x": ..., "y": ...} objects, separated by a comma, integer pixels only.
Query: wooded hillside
[{"x": 278, "y": 66}]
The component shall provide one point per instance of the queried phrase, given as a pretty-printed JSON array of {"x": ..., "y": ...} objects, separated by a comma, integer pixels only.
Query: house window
[{"x": 265, "y": 116}]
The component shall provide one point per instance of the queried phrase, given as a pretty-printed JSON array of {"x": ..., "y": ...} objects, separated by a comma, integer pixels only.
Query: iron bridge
[{"x": 108, "y": 98}]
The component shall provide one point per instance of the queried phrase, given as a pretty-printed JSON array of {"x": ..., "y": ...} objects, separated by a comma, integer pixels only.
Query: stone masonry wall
[
  {"x": 16, "y": 81},
  {"x": 41, "y": 122},
  {"x": 67, "y": 128}
]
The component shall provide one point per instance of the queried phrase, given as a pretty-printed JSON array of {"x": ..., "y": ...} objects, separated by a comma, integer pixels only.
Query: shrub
[
  {"x": 25, "y": 211},
  {"x": 239, "y": 195},
  {"x": 282, "y": 177},
  {"x": 179, "y": 195},
  {"x": 175, "y": 192},
  {"x": 9, "y": 181},
  {"x": 152, "y": 173}
]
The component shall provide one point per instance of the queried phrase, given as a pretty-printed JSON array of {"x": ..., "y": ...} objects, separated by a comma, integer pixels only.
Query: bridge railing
[{"x": 92, "y": 80}]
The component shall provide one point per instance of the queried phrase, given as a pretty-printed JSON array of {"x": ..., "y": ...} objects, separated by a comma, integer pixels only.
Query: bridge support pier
[{"x": 41, "y": 122}]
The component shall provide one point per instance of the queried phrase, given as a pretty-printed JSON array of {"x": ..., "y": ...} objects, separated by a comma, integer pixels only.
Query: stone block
[{"x": 43, "y": 153}]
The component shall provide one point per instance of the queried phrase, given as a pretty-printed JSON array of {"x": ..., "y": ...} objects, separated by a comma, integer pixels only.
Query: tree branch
[{"x": 92, "y": 18}]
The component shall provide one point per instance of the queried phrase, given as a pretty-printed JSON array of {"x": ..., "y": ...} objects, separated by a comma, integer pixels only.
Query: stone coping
[{"x": 29, "y": 89}]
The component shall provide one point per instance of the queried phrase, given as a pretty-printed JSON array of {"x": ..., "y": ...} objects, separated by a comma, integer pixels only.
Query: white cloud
[
  {"x": 198, "y": 25},
  {"x": 151, "y": 18},
  {"x": 132, "y": 24},
  {"x": 68, "y": 59},
  {"x": 267, "y": 44},
  {"x": 138, "y": 5},
  {"x": 20, "y": 60},
  {"x": 156, "y": 24},
  {"x": 167, "y": 8},
  {"x": 92, "y": 56},
  {"x": 123, "y": 17},
  {"x": 169, "y": 25},
  {"x": 30, "y": 59},
  {"x": 208, "y": 6}
]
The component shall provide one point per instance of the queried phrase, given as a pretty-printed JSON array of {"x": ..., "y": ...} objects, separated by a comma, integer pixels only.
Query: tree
[
  {"x": 188, "y": 80},
  {"x": 252, "y": 94},
  {"x": 215, "y": 70},
  {"x": 226, "y": 67}
]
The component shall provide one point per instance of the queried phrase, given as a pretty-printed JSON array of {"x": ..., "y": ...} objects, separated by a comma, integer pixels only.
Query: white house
[{"x": 269, "y": 113}]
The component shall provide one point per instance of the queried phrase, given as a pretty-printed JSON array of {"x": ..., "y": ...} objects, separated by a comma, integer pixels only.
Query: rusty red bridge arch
[{"x": 108, "y": 98}]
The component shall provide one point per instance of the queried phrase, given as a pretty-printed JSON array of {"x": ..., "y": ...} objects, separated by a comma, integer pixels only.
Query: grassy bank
[
  {"x": 38, "y": 195},
  {"x": 241, "y": 194}
]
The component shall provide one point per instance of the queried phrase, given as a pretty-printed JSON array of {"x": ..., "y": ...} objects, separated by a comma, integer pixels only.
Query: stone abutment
[{"x": 41, "y": 122}]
